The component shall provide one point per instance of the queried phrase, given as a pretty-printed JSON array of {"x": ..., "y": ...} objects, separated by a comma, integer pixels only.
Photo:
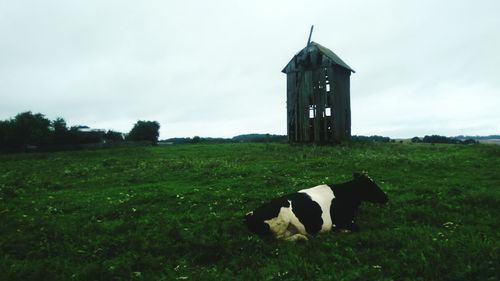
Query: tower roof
[{"x": 314, "y": 56}]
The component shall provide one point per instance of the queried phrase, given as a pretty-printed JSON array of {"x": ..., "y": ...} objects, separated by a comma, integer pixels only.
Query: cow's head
[
  {"x": 368, "y": 190},
  {"x": 256, "y": 220},
  {"x": 255, "y": 223}
]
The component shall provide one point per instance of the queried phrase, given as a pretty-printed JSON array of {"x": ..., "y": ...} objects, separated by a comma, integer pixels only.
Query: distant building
[{"x": 318, "y": 96}]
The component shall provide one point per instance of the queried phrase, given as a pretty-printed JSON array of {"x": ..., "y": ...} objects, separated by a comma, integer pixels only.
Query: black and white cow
[{"x": 317, "y": 209}]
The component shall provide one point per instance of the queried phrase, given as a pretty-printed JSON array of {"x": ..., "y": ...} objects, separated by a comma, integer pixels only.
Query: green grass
[{"x": 175, "y": 213}]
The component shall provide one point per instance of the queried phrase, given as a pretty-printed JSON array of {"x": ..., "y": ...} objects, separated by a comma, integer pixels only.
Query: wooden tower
[{"x": 318, "y": 96}]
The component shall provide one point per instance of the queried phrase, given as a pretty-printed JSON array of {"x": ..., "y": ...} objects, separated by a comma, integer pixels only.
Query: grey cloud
[{"x": 212, "y": 68}]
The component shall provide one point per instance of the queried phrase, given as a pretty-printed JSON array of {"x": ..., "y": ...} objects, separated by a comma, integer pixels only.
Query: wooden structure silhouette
[{"x": 318, "y": 96}]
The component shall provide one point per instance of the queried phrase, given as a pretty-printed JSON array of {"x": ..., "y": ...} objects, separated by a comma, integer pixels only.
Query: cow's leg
[
  {"x": 279, "y": 225},
  {"x": 286, "y": 226},
  {"x": 296, "y": 237}
]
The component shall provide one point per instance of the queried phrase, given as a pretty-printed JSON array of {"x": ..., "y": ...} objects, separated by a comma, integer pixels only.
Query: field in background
[
  {"x": 174, "y": 213},
  {"x": 491, "y": 141}
]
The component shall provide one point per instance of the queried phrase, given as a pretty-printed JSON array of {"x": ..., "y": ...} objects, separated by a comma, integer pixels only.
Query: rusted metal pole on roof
[{"x": 310, "y": 34}]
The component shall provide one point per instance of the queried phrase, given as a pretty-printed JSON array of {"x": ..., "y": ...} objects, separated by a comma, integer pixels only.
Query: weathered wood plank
[
  {"x": 347, "y": 104},
  {"x": 324, "y": 118},
  {"x": 291, "y": 107},
  {"x": 306, "y": 92},
  {"x": 334, "y": 87},
  {"x": 317, "y": 107}
]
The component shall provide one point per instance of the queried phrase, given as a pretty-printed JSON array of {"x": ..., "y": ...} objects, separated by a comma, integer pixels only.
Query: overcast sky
[{"x": 213, "y": 68}]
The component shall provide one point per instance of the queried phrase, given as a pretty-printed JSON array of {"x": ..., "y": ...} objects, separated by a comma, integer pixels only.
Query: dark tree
[
  {"x": 31, "y": 129},
  {"x": 59, "y": 125},
  {"x": 61, "y": 132},
  {"x": 416, "y": 140},
  {"x": 112, "y": 136},
  {"x": 6, "y": 134},
  {"x": 80, "y": 135},
  {"x": 439, "y": 139},
  {"x": 145, "y": 131},
  {"x": 470, "y": 141}
]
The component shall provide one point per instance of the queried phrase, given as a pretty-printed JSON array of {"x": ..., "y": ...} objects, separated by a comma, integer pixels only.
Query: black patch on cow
[
  {"x": 257, "y": 226},
  {"x": 344, "y": 206},
  {"x": 343, "y": 213},
  {"x": 307, "y": 211},
  {"x": 255, "y": 222}
]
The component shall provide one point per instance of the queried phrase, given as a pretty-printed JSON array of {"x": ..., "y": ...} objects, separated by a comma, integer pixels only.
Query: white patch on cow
[
  {"x": 323, "y": 195},
  {"x": 286, "y": 225}
]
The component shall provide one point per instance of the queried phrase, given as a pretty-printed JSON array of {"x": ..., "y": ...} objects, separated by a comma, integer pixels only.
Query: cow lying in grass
[{"x": 317, "y": 209}]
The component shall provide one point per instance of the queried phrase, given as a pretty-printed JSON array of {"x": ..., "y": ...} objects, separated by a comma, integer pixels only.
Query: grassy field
[{"x": 175, "y": 213}]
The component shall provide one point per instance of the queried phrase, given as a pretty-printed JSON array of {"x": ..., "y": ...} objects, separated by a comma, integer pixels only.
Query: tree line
[
  {"x": 235, "y": 139},
  {"x": 442, "y": 139},
  {"x": 34, "y": 131}
]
